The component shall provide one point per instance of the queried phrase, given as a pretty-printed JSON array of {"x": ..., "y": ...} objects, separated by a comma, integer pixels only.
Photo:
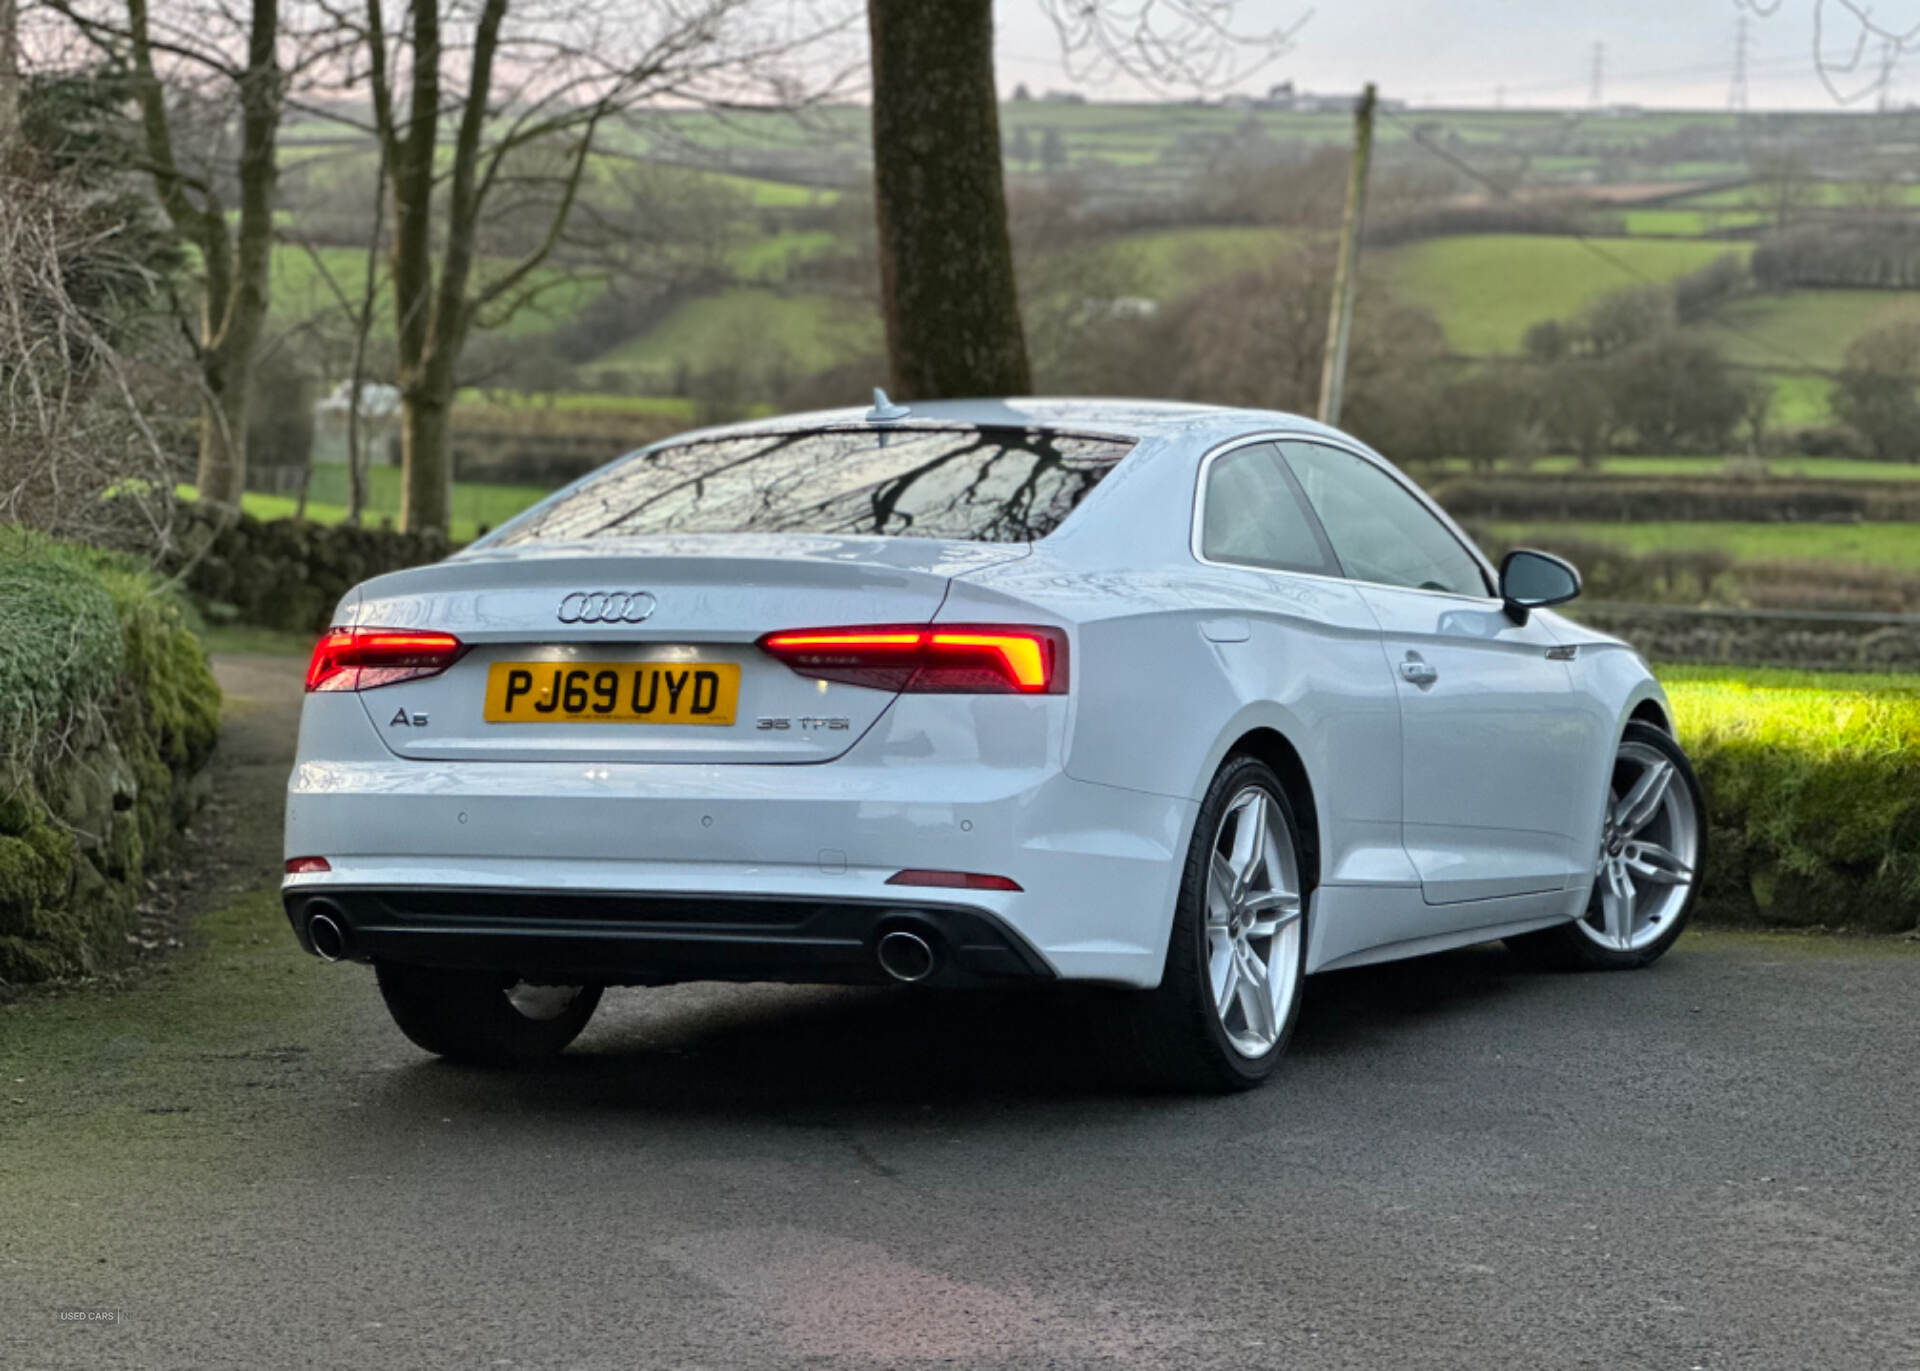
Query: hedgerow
[
  {"x": 107, "y": 711},
  {"x": 1813, "y": 794}
]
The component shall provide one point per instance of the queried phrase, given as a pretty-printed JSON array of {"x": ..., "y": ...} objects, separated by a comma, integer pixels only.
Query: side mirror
[{"x": 1532, "y": 580}]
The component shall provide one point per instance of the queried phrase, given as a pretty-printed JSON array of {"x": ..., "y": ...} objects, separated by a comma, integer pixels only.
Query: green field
[
  {"x": 768, "y": 258},
  {"x": 301, "y": 291},
  {"x": 1487, "y": 290},
  {"x": 1889, "y": 546},
  {"x": 755, "y": 327},
  {"x": 1675, "y": 676},
  {"x": 1801, "y": 400},
  {"x": 1828, "y": 194},
  {"x": 1810, "y": 327},
  {"x": 1169, "y": 263},
  {"x": 1707, "y": 468},
  {"x": 779, "y": 169},
  {"x": 676, "y": 407},
  {"x": 1686, "y": 223},
  {"x": 475, "y": 504}
]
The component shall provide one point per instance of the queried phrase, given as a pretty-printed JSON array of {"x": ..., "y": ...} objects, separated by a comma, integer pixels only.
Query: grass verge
[
  {"x": 1813, "y": 794},
  {"x": 1892, "y": 546}
]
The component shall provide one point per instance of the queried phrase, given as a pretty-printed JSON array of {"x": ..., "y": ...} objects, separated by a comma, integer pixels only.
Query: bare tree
[
  {"x": 1853, "y": 49},
  {"x": 208, "y": 81},
  {"x": 83, "y": 375},
  {"x": 1783, "y": 186},
  {"x": 1187, "y": 45},
  {"x": 529, "y": 88}
]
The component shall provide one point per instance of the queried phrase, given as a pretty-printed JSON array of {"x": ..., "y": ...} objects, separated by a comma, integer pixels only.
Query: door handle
[{"x": 1419, "y": 673}]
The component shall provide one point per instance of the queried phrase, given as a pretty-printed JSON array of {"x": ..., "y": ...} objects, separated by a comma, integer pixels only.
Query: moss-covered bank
[
  {"x": 108, "y": 712},
  {"x": 1813, "y": 794}
]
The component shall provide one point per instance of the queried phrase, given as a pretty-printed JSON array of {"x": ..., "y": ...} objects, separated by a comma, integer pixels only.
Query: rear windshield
[{"x": 997, "y": 485}]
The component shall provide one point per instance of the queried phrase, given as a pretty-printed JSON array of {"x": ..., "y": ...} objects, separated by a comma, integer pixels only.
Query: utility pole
[
  {"x": 1737, "y": 91},
  {"x": 1597, "y": 78},
  {"x": 1333, "y": 369}
]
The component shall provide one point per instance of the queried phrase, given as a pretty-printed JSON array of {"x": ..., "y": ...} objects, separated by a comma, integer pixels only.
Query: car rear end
[{"x": 751, "y": 732}]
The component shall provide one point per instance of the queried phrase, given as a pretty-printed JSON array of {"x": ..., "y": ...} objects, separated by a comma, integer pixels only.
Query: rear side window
[
  {"x": 1380, "y": 532},
  {"x": 1254, "y": 515},
  {"x": 998, "y": 485}
]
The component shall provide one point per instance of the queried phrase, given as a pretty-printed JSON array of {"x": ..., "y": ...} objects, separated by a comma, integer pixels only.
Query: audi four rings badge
[{"x": 605, "y": 607}]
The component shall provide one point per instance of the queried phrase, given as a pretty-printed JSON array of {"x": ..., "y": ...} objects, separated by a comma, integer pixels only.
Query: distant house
[
  {"x": 1285, "y": 96},
  {"x": 379, "y": 424},
  {"x": 1064, "y": 97}
]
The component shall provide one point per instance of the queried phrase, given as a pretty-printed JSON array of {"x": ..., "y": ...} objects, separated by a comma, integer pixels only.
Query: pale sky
[{"x": 1657, "y": 52}]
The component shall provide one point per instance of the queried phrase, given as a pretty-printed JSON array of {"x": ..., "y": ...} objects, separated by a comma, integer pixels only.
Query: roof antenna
[{"x": 885, "y": 411}]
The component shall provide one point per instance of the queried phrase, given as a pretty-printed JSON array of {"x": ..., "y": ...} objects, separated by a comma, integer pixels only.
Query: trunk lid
[{"x": 666, "y": 621}]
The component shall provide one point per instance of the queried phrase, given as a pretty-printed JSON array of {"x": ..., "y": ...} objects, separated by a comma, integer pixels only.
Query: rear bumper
[
  {"x": 625, "y": 938},
  {"x": 1097, "y": 865}
]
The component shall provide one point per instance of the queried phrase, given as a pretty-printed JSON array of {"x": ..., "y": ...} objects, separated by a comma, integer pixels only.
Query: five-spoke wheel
[
  {"x": 1230, "y": 993},
  {"x": 1652, "y": 840},
  {"x": 1649, "y": 846},
  {"x": 1253, "y": 922}
]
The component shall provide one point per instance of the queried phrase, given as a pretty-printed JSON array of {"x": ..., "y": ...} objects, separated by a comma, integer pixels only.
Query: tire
[
  {"x": 1679, "y": 830},
  {"x": 468, "y": 1016},
  {"x": 1182, "y": 1037}
]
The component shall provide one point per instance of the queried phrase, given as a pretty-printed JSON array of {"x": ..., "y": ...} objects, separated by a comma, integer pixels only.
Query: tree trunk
[
  {"x": 9, "y": 72},
  {"x": 221, "y": 477},
  {"x": 946, "y": 261},
  {"x": 426, "y": 454}
]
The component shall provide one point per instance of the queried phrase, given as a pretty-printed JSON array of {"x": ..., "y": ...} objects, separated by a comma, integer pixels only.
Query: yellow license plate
[{"x": 612, "y": 692}]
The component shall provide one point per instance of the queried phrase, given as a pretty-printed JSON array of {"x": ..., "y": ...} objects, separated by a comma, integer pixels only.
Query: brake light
[
  {"x": 952, "y": 880},
  {"x": 363, "y": 658},
  {"x": 307, "y": 866},
  {"x": 951, "y": 659}
]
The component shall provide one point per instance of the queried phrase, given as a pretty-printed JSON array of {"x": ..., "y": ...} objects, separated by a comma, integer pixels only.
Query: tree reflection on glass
[{"x": 983, "y": 484}]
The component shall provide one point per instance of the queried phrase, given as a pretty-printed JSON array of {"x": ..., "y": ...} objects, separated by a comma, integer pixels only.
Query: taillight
[
  {"x": 307, "y": 866},
  {"x": 950, "y": 659},
  {"x": 363, "y": 658}
]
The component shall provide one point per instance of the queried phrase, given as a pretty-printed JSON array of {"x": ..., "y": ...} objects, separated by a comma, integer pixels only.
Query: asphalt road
[{"x": 1712, "y": 1164}]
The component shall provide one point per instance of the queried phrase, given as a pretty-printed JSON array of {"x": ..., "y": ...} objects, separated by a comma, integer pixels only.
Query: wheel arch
[
  {"x": 1651, "y": 711},
  {"x": 1267, "y": 744}
]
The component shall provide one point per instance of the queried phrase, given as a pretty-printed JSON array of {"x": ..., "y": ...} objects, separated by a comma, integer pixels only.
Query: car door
[
  {"x": 1302, "y": 638},
  {"x": 1490, "y": 739}
]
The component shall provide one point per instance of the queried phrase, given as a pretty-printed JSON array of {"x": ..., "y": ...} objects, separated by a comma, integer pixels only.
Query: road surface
[{"x": 1714, "y": 1164}]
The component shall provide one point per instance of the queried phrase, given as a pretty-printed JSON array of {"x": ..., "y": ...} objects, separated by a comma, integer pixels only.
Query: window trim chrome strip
[{"x": 1426, "y": 502}]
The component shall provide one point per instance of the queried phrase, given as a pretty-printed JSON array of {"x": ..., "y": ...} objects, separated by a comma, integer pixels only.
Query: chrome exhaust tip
[
  {"x": 905, "y": 956},
  {"x": 329, "y": 940}
]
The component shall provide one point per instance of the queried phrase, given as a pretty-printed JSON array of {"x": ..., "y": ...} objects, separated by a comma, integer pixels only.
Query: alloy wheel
[
  {"x": 1253, "y": 925},
  {"x": 1649, "y": 851}
]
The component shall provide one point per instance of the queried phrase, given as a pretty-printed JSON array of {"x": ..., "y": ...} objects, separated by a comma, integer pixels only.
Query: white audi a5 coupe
[{"x": 1189, "y": 701}]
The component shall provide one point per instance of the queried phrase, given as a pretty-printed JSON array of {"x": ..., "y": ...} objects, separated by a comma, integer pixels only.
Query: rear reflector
[
  {"x": 952, "y": 880},
  {"x": 363, "y": 658},
  {"x": 948, "y": 659},
  {"x": 307, "y": 866}
]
